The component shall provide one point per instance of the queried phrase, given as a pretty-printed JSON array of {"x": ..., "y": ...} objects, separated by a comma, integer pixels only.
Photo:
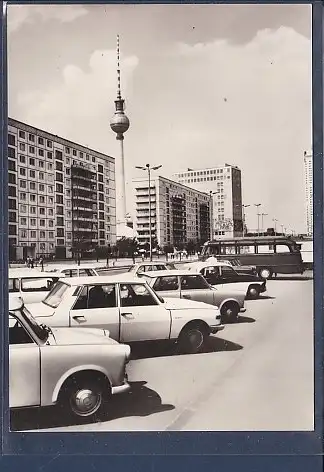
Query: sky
[{"x": 203, "y": 84}]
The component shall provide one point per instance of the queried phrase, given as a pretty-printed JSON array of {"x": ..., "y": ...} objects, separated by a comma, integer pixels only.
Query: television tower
[{"x": 120, "y": 124}]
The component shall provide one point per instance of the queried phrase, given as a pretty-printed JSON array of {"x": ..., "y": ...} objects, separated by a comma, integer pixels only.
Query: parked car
[
  {"x": 236, "y": 264},
  {"x": 188, "y": 285},
  {"x": 79, "y": 369},
  {"x": 129, "y": 309},
  {"x": 75, "y": 270},
  {"x": 30, "y": 284},
  {"x": 143, "y": 267},
  {"x": 219, "y": 274}
]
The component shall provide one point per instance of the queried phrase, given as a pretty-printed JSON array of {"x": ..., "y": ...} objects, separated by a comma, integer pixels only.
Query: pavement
[{"x": 257, "y": 375}]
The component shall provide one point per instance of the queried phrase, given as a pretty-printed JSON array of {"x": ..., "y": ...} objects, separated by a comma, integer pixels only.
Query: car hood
[
  {"x": 68, "y": 336},
  {"x": 182, "y": 304}
]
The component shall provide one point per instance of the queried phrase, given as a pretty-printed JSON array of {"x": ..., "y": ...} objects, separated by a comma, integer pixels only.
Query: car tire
[
  {"x": 84, "y": 398},
  {"x": 192, "y": 339},
  {"x": 253, "y": 292},
  {"x": 229, "y": 312},
  {"x": 265, "y": 273}
]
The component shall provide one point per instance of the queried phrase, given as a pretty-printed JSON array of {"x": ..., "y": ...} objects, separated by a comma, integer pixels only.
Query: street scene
[{"x": 160, "y": 194}]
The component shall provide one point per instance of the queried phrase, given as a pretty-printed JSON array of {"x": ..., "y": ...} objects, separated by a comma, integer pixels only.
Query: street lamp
[
  {"x": 211, "y": 203},
  {"x": 244, "y": 206},
  {"x": 257, "y": 205},
  {"x": 275, "y": 225},
  {"x": 148, "y": 168},
  {"x": 282, "y": 229},
  {"x": 262, "y": 215}
]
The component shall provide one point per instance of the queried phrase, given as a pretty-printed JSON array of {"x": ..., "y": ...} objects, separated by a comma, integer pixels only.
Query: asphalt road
[{"x": 257, "y": 375}]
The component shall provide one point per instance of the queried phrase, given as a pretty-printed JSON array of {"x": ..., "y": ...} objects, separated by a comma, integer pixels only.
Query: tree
[{"x": 127, "y": 246}]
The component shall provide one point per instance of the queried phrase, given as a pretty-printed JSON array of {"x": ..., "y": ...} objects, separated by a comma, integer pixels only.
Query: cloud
[
  {"x": 199, "y": 105},
  {"x": 19, "y": 15}
]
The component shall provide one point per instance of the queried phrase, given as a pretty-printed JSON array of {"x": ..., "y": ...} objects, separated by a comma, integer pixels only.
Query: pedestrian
[
  {"x": 31, "y": 262},
  {"x": 28, "y": 262},
  {"x": 41, "y": 262}
]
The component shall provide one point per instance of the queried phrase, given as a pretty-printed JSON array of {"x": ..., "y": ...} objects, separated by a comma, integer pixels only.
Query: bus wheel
[{"x": 265, "y": 273}]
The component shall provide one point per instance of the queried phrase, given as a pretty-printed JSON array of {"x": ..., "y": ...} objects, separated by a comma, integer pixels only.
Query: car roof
[
  {"x": 102, "y": 279},
  {"x": 161, "y": 273},
  {"x": 149, "y": 263},
  {"x": 32, "y": 273}
]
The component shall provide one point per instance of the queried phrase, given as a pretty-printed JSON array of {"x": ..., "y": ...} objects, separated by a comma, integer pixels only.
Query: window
[
  {"x": 41, "y": 176},
  {"x": 59, "y": 199},
  {"x": 41, "y": 187},
  {"x": 32, "y": 198},
  {"x": 42, "y": 211},
  {"x": 51, "y": 234},
  {"x": 22, "y": 159},
  {"x": 33, "y": 222},
  {"x": 50, "y": 189},
  {"x": 33, "y": 210},
  {"x": 38, "y": 284},
  {"x": 32, "y": 174},
  {"x": 17, "y": 332},
  {"x": 49, "y": 155},
  {"x": 23, "y": 234},
  {"x": 59, "y": 155},
  {"x": 22, "y": 183},
  {"x": 60, "y": 232},
  {"x": 12, "y": 153},
  {"x": 22, "y": 196},
  {"x": 74, "y": 152},
  {"x": 41, "y": 164},
  {"x": 22, "y": 134},
  {"x": 12, "y": 139},
  {"x": 100, "y": 168},
  {"x": 100, "y": 178},
  {"x": 59, "y": 188},
  {"x": 22, "y": 147},
  {"x": 282, "y": 248},
  {"x": 96, "y": 296},
  {"x": 93, "y": 159},
  {"x": 166, "y": 283},
  {"x": 31, "y": 138},
  {"x": 81, "y": 155},
  {"x": 49, "y": 143},
  {"x": 32, "y": 149},
  {"x": 22, "y": 171},
  {"x": 59, "y": 221},
  {"x": 193, "y": 282},
  {"x": 50, "y": 166},
  {"x": 59, "y": 166},
  {"x": 59, "y": 210},
  {"x": 12, "y": 216},
  {"x": 12, "y": 230},
  {"x": 23, "y": 221},
  {"x": 32, "y": 186},
  {"x": 262, "y": 249},
  {"x": 42, "y": 223},
  {"x": 12, "y": 165},
  {"x": 42, "y": 234},
  {"x": 23, "y": 208},
  {"x": 59, "y": 176},
  {"x": 12, "y": 178},
  {"x": 67, "y": 150},
  {"x": 136, "y": 295}
]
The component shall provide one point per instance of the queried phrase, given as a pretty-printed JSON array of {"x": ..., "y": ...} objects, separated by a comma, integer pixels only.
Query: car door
[
  {"x": 142, "y": 316},
  {"x": 212, "y": 274},
  {"x": 167, "y": 286},
  {"x": 96, "y": 306},
  {"x": 195, "y": 287},
  {"x": 24, "y": 367},
  {"x": 228, "y": 274}
]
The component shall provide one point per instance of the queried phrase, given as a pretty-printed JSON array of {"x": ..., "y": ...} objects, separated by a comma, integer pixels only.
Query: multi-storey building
[
  {"x": 308, "y": 169},
  {"x": 61, "y": 194},
  {"x": 223, "y": 183},
  {"x": 178, "y": 213}
]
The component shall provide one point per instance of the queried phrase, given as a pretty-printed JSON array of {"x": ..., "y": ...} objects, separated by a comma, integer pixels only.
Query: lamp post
[
  {"x": 275, "y": 225},
  {"x": 243, "y": 208},
  {"x": 262, "y": 215},
  {"x": 257, "y": 205},
  {"x": 282, "y": 229},
  {"x": 211, "y": 203},
  {"x": 148, "y": 168}
]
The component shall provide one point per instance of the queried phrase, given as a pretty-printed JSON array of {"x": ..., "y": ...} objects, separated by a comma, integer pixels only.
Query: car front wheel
[
  {"x": 265, "y": 273},
  {"x": 229, "y": 312},
  {"x": 253, "y": 292},
  {"x": 84, "y": 398},
  {"x": 192, "y": 339}
]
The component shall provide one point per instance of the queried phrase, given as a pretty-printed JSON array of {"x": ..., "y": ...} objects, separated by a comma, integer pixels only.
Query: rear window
[
  {"x": 38, "y": 284},
  {"x": 166, "y": 283},
  {"x": 13, "y": 285},
  {"x": 56, "y": 295}
]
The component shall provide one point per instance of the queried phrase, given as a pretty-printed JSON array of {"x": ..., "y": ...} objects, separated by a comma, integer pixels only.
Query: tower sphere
[{"x": 119, "y": 123}]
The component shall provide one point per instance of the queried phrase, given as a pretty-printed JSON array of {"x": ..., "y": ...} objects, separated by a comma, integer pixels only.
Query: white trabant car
[
  {"x": 31, "y": 285},
  {"x": 74, "y": 270},
  {"x": 129, "y": 309},
  {"x": 80, "y": 369},
  {"x": 223, "y": 276},
  {"x": 147, "y": 266}
]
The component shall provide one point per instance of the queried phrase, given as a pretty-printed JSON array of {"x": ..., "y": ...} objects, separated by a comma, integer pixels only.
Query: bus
[{"x": 271, "y": 255}]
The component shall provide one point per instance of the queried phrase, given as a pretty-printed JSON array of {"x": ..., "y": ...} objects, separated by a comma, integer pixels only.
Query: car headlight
[{"x": 106, "y": 332}]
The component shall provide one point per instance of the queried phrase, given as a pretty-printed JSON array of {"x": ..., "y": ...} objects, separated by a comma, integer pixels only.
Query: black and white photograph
[{"x": 160, "y": 222}]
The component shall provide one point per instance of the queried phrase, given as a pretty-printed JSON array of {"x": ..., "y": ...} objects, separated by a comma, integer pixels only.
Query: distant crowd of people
[{"x": 31, "y": 262}]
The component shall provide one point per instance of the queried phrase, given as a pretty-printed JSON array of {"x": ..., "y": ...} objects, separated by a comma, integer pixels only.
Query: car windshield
[
  {"x": 39, "y": 331},
  {"x": 55, "y": 296}
]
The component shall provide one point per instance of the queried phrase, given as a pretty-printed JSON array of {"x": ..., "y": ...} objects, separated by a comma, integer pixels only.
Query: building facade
[
  {"x": 178, "y": 213},
  {"x": 224, "y": 184},
  {"x": 308, "y": 173},
  {"x": 61, "y": 195}
]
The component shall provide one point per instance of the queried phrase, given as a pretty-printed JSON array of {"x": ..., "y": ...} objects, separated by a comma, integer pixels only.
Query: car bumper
[
  {"x": 243, "y": 310},
  {"x": 215, "y": 329},
  {"x": 120, "y": 388}
]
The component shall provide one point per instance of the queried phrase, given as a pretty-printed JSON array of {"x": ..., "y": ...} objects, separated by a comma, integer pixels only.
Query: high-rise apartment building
[
  {"x": 178, "y": 213},
  {"x": 61, "y": 194},
  {"x": 308, "y": 170},
  {"x": 224, "y": 184}
]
